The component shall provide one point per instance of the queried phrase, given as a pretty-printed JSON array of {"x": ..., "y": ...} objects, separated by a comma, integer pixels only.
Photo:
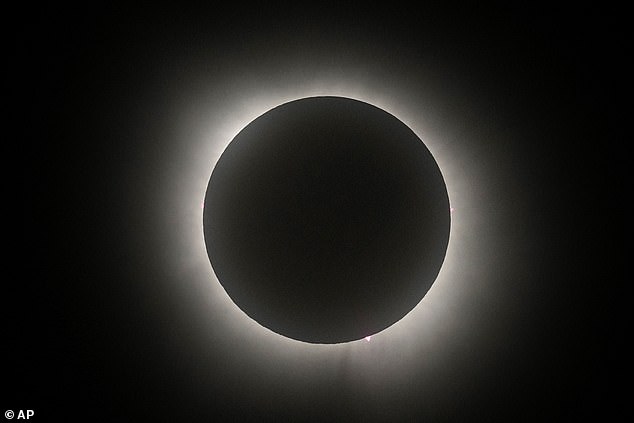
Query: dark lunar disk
[{"x": 326, "y": 219}]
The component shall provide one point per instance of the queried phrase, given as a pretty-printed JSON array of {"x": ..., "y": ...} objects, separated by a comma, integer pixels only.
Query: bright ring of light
[{"x": 430, "y": 330}]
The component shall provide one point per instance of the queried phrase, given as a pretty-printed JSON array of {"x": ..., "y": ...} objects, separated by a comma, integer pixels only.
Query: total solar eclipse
[{"x": 326, "y": 219}]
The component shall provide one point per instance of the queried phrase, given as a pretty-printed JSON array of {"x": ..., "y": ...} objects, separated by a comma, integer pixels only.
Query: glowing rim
[
  {"x": 234, "y": 131},
  {"x": 436, "y": 325}
]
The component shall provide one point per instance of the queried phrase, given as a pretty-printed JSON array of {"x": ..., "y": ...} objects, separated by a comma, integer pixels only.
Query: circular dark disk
[{"x": 326, "y": 219}]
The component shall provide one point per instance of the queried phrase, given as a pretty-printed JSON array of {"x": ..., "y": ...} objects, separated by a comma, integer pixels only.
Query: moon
[{"x": 326, "y": 219}]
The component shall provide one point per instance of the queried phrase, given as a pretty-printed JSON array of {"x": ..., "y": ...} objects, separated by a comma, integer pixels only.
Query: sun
[{"x": 203, "y": 129}]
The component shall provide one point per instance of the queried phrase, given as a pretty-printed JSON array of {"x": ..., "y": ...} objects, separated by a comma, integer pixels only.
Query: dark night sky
[{"x": 107, "y": 321}]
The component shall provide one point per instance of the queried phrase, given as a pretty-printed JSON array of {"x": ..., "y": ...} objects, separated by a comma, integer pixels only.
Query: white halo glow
[{"x": 443, "y": 319}]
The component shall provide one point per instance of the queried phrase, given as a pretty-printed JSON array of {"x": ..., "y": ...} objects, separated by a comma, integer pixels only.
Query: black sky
[{"x": 96, "y": 329}]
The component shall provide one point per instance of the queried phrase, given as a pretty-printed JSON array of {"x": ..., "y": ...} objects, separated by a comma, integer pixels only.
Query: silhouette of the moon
[{"x": 326, "y": 219}]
